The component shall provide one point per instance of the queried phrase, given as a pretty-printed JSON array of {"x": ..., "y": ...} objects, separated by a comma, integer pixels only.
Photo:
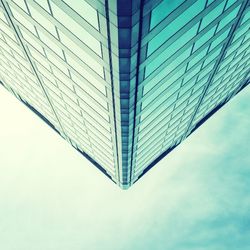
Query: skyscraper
[{"x": 124, "y": 82}]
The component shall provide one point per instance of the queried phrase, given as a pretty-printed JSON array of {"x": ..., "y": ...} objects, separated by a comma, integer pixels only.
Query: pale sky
[{"x": 197, "y": 198}]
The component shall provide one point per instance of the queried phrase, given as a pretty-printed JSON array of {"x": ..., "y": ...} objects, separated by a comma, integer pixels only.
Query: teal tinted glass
[
  {"x": 173, "y": 48},
  {"x": 163, "y": 10},
  {"x": 212, "y": 15},
  {"x": 175, "y": 25}
]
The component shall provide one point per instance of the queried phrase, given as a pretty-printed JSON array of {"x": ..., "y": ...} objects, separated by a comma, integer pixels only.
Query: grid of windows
[
  {"x": 124, "y": 81},
  {"x": 182, "y": 63}
]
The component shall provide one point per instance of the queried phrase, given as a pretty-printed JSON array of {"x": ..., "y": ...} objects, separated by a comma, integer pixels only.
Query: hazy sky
[{"x": 197, "y": 198}]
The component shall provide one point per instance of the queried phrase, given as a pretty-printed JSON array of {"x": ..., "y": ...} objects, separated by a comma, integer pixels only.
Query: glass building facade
[{"x": 124, "y": 82}]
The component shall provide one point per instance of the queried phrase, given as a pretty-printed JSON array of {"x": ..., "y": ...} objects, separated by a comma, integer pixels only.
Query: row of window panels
[
  {"x": 94, "y": 153},
  {"x": 83, "y": 9},
  {"x": 231, "y": 71},
  {"x": 98, "y": 93},
  {"x": 181, "y": 20},
  {"x": 191, "y": 33},
  {"x": 87, "y": 24},
  {"x": 12, "y": 46},
  {"x": 58, "y": 86},
  {"x": 94, "y": 66},
  {"x": 183, "y": 57},
  {"x": 80, "y": 90},
  {"x": 14, "y": 60},
  {"x": 201, "y": 57},
  {"x": 27, "y": 36},
  {"x": 188, "y": 98},
  {"x": 210, "y": 17},
  {"x": 11, "y": 63},
  {"x": 94, "y": 145},
  {"x": 214, "y": 105},
  {"x": 78, "y": 114},
  {"x": 243, "y": 30},
  {"x": 37, "y": 9},
  {"x": 91, "y": 130},
  {"x": 12, "y": 73},
  {"x": 21, "y": 71},
  {"x": 223, "y": 92},
  {"x": 243, "y": 33},
  {"x": 166, "y": 33},
  {"x": 156, "y": 152},
  {"x": 5, "y": 27},
  {"x": 214, "y": 56},
  {"x": 167, "y": 123},
  {"x": 59, "y": 57},
  {"x": 166, "y": 88},
  {"x": 193, "y": 82},
  {"x": 47, "y": 112},
  {"x": 164, "y": 135},
  {"x": 224, "y": 88},
  {"x": 230, "y": 15},
  {"x": 213, "y": 92},
  {"x": 194, "y": 70},
  {"x": 181, "y": 99},
  {"x": 230, "y": 60},
  {"x": 166, "y": 8},
  {"x": 97, "y": 158},
  {"x": 49, "y": 22},
  {"x": 227, "y": 64},
  {"x": 72, "y": 43},
  {"x": 219, "y": 98},
  {"x": 15, "y": 73},
  {"x": 67, "y": 47},
  {"x": 198, "y": 118},
  {"x": 92, "y": 148},
  {"x": 232, "y": 74},
  {"x": 99, "y": 135},
  {"x": 78, "y": 107},
  {"x": 74, "y": 96},
  {"x": 94, "y": 141},
  {"x": 161, "y": 11},
  {"x": 232, "y": 90},
  {"x": 163, "y": 131},
  {"x": 32, "y": 99}
]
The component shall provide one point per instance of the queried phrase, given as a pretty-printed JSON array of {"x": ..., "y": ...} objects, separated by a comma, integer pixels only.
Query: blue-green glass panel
[
  {"x": 212, "y": 15},
  {"x": 173, "y": 48},
  {"x": 203, "y": 39},
  {"x": 169, "y": 68},
  {"x": 228, "y": 18},
  {"x": 220, "y": 39},
  {"x": 229, "y": 3},
  {"x": 175, "y": 25},
  {"x": 163, "y": 10}
]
